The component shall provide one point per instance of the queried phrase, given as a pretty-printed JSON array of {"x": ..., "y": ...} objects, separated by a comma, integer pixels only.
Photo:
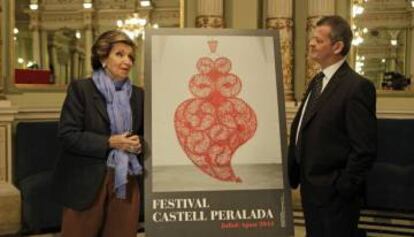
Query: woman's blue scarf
[{"x": 120, "y": 116}]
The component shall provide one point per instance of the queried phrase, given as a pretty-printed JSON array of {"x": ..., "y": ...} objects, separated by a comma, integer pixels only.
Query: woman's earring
[{"x": 103, "y": 65}]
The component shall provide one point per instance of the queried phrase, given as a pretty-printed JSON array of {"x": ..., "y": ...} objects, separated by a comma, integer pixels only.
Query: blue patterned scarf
[{"x": 120, "y": 116}]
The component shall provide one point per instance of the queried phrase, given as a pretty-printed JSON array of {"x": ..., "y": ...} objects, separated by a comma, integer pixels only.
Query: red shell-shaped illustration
[{"x": 211, "y": 126}]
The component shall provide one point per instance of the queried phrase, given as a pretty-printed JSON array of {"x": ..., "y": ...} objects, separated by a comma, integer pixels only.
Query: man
[{"x": 333, "y": 136}]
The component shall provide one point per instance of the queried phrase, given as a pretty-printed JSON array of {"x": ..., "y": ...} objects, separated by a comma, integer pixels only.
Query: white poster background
[{"x": 174, "y": 60}]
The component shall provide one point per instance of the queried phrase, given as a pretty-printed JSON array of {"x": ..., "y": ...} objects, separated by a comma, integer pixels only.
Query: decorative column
[
  {"x": 317, "y": 9},
  {"x": 55, "y": 70},
  {"x": 75, "y": 63},
  {"x": 45, "y": 51},
  {"x": 140, "y": 56},
  {"x": 3, "y": 39},
  {"x": 210, "y": 14},
  {"x": 279, "y": 17},
  {"x": 68, "y": 69},
  {"x": 81, "y": 62},
  {"x": 87, "y": 21},
  {"x": 1, "y": 48},
  {"x": 10, "y": 199},
  {"x": 411, "y": 53},
  {"x": 394, "y": 50},
  {"x": 34, "y": 27},
  {"x": 10, "y": 204}
]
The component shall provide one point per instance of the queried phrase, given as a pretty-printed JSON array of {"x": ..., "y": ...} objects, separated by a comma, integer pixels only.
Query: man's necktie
[
  {"x": 314, "y": 97},
  {"x": 310, "y": 108}
]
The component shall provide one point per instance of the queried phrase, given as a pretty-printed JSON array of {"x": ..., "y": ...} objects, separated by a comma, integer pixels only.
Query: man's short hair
[{"x": 340, "y": 31}]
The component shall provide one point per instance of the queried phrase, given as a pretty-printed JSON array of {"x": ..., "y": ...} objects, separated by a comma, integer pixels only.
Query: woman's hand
[{"x": 126, "y": 143}]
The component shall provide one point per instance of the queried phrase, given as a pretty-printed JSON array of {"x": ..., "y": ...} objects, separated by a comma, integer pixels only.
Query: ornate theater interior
[{"x": 45, "y": 45}]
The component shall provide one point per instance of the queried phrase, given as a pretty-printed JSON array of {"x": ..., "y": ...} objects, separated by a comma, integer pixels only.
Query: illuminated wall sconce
[
  {"x": 357, "y": 39},
  {"x": 33, "y": 5},
  {"x": 394, "y": 42},
  {"x": 145, "y": 3},
  {"x": 87, "y": 4},
  {"x": 15, "y": 32},
  {"x": 359, "y": 64},
  {"x": 133, "y": 26},
  {"x": 78, "y": 34},
  {"x": 357, "y": 10}
]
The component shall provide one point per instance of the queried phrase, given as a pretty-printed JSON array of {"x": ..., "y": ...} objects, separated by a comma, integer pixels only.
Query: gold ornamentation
[
  {"x": 284, "y": 25},
  {"x": 312, "y": 67},
  {"x": 210, "y": 22}
]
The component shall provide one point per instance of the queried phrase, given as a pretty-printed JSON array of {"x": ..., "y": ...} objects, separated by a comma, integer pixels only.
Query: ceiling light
[
  {"x": 34, "y": 6},
  {"x": 87, "y": 4},
  {"x": 357, "y": 10},
  {"x": 145, "y": 3},
  {"x": 133, "y": 26},
  {"x": 78, "y": 34}
]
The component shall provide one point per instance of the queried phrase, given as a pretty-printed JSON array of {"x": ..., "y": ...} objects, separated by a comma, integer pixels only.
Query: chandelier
[
  {"x": 133, "y": 26},
  {"x": 358, "y": 7},
  {"x": 357, "y": 10}
]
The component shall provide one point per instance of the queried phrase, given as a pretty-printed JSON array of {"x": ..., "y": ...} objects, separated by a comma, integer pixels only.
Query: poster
[{"x": 216, "y": 134}]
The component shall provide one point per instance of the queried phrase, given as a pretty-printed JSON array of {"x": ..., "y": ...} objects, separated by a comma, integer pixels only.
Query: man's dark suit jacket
[
  {"x": 338, "y": 143},
  {"x": 84, "y": 130}
]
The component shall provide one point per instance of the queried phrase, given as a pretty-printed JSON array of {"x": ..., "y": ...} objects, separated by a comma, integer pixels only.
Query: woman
[{"x": 101, "y": 118}]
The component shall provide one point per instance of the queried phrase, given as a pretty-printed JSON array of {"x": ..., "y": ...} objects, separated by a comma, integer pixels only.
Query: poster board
[{"x": 215, "y": 130}]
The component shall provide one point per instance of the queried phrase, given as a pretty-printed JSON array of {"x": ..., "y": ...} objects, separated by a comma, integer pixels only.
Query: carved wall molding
[
  {"x": 57, "y": 20},
  {"x": 400, "y": 19},
  {"x": 34, "y": 113},
  {"x": 316, "y": 10},
  {"x": 312, "y": 67},
  {"x": 279, "y": 8},
  {"x": 75, "y": 17},
  {"x": 7, "y": 113},
  {"x": 381, "y": 5},
  {"x": 166, "y": 18},
  {"x": 209, "y": 22},
  {"x": 114, "y": 4},
  {"x": 47, "y": 5},
  {"x": 285, "y": 25},
  {"x": 210, "y": 7},
  {"x": 375, "y": 51},
  {"x": 1, "y": 54},
  {"x": 321, "y": 7}
]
